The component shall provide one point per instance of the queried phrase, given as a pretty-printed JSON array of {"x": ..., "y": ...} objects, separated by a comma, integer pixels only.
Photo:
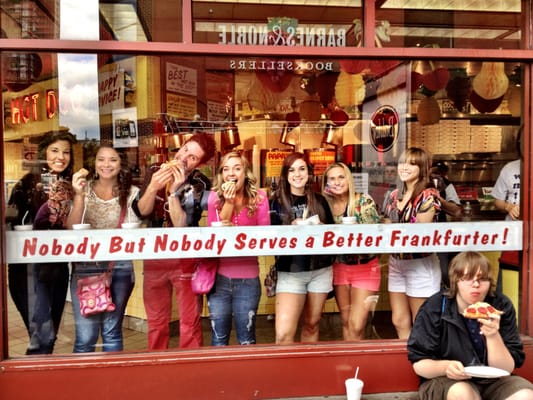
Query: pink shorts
[{"x": 362, "y": 276}]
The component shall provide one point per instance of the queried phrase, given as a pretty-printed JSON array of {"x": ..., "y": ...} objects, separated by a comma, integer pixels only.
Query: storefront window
[
  {"x": 360, "y": 112},
  {"x": 459, "y": 24},
  {"x": 294, "y": 23}
]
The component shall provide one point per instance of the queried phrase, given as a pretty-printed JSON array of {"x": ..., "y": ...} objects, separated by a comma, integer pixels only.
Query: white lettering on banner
[{"x": 150, "y": 243}]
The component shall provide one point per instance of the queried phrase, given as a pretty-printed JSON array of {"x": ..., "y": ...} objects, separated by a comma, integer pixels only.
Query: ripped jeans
[{"x": 237, "y": 298}]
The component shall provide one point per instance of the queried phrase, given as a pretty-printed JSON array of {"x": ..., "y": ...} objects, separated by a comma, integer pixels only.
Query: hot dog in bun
[
  {"x": 226, "y": 185},
  {"x": 171, "y": 163}
]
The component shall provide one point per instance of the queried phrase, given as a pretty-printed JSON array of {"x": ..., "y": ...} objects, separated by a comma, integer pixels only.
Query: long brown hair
[
  {"x": 419, "y": 157},
  {"x": 283, "y": 193},
  {"x": 124, "y": 178}
]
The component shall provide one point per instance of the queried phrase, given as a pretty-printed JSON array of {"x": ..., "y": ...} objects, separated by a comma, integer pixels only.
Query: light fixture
[{"x": 229, "y": 137}]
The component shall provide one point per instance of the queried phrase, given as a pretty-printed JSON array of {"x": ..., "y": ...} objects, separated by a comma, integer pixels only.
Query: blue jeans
[
  {"x": 238, "y": 298},
  {"x": 109, "y": 324},
  {"x": 51, "y": 286}
]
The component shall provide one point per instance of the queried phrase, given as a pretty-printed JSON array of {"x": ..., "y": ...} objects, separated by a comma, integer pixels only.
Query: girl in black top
[{"x": 304, "y": 281}]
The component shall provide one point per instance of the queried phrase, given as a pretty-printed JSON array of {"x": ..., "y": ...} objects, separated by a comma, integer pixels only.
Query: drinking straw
[
  {"x": 24, "y": 217},
  {"x": 84, "y": 209},
  {"x": 356, "y": 372}
]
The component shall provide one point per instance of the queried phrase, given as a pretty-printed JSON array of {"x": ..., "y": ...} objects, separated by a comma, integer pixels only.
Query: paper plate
[{"x": 482, "y": 371}]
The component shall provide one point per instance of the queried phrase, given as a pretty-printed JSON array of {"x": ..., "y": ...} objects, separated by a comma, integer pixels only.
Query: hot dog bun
[
  {"x": 226, "y": 185},
  {"x": 171, "y": 163},
  {"x": 83, "y": 173}
]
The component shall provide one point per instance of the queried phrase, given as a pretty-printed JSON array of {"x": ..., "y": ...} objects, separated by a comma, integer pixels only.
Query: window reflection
[
  {"x": 398, "y": 23},
  {"x": 451, "y": 25},
  {"x": 330, "y": 110}
]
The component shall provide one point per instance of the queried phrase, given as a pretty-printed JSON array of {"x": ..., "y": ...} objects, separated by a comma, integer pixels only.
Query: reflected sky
[{"x": 78, "y": 73}]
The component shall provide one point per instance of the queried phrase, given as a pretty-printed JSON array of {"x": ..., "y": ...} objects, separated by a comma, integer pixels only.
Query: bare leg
[
  {"x": 401, "y": 314},
  {"x": 342, "y": 296},
  {"x": 312, "y": 314},
  {"x": 359, "y": 312},
  {"x": 414, "y": 304},
  {"x": 289, "y": 307}
]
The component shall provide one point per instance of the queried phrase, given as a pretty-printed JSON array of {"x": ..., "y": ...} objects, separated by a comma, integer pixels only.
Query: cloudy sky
[{"x": 78, "y": 73}]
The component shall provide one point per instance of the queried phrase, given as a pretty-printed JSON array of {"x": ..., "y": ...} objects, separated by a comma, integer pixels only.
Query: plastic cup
[
  {"x": 348, "y": 220},
  {"x": 131, "y": 225},
  {"x": 220, "y": 223},
  {"x": 314, "y": 220},
  {"x": 23, "y": 227},
  {"x": 81, "y": 226},
  {"x": 354, "y": 388}
]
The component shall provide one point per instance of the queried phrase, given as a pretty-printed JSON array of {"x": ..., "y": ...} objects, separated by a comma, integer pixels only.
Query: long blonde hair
[
  {"x": 352, "y": 196},
  {"x": 251, "y": 194}
]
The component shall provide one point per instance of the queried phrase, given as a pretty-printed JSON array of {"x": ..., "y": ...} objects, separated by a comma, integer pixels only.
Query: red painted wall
[{"x": 232, "y": 373}]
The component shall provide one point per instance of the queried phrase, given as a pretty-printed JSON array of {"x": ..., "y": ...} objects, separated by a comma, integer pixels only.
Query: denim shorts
[{"x": 316, "y": 281}]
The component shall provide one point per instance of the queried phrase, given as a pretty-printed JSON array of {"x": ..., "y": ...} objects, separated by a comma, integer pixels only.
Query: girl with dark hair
[
  {"x": 103, "y": 202},
  {"x": 413, "y": 277},
  {"x": 51, "y": 174},
  {"x": 236, "y": 201},
  {"x": 304, "y": 280}
]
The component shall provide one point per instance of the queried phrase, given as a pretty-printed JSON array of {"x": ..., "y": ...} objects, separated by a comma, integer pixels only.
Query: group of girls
[{"x": 305, "y": 280}]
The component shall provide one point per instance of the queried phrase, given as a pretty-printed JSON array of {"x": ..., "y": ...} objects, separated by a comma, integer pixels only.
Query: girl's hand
[
  {"x": 79, "y": 181},
  {"x": 229, "y": 192}
]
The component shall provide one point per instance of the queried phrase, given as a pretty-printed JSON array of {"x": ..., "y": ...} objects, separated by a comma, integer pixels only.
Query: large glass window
[
  {"x": 360, "y": 112},
  {"x": 296, "y": 23},
  {"x": 458, "y": 24}
]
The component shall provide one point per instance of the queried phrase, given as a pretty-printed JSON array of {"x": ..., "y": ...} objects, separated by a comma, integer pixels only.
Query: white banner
[{"x": 160, "y": 243}]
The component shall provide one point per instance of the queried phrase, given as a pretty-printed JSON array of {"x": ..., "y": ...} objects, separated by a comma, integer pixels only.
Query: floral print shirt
[
  {"x": 365, "y": 212},
  {"x": 424, "y": 202}
]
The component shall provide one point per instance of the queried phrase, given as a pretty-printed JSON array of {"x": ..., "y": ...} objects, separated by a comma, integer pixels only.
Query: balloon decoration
[
  {"x": 349, "y": 89},
  {"x": 491, "y": 82},
  {"x": 489, "y": 87},
  {"x": 458, "y": 88},
  {"x": 428, "y": 84},
  {"x": 484, "y": 105},
  {"x": 368, "y": 68},
  {"x": 428, "y": 111}
]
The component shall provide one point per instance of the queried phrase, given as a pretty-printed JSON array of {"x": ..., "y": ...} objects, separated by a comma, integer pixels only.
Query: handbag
[
  {"x": 94, "y": 292},
  {"x": 204, "y": 275},
  {"x": 270, "y": 281}
]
